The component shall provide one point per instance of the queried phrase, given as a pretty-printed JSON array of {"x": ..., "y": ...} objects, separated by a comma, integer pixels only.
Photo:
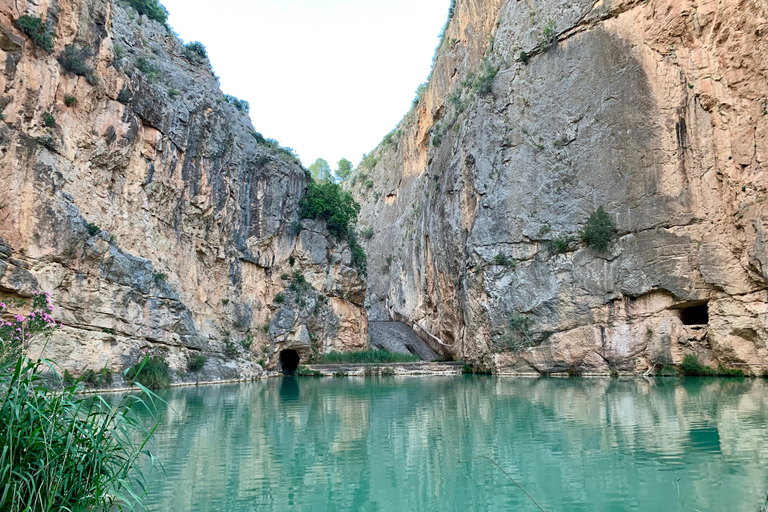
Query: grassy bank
[{"x": 365, "y": 356}]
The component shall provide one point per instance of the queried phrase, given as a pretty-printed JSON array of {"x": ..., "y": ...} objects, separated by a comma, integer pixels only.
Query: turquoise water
[{"x": 412, "y": 443}]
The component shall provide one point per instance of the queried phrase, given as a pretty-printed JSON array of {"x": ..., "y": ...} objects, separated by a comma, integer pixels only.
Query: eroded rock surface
[
  {"x": 657, "y": 111},
  {"x": 148, "y": 206}
]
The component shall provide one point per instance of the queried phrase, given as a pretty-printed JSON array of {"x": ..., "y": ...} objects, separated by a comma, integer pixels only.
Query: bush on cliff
[
  {"x": 151, "y": 9},
  {"x": 599, "y": 230},
  {"x": 152, "y": 372},
  {"x": 327, "y": 201},
  {"x": 62, "y": 450},
  {"x": 41, "y": 32}
]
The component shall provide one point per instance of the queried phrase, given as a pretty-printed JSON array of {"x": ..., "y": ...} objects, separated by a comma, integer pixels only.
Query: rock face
[
  {"x": 657, "y": 111},
  {"x": 144, "y": 201}
]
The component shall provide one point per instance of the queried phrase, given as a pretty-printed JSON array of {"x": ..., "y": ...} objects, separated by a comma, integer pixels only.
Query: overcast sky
[{"x": 328, "y": 78}]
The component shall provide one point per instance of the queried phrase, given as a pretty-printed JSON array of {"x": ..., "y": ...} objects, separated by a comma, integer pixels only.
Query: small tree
[
  {"x": 344, "y": 170},
  {"x": 320, "y": 170},
  {"x": 599, "y": 230},
  {"x": 327, "y": 201}
]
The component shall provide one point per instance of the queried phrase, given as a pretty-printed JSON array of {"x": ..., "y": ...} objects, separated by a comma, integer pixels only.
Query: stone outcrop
[
  {"x": 540, "y": 111},
  {"x": 144, "y": 201}
]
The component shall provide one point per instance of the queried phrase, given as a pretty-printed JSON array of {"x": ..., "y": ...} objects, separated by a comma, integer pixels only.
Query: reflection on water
[{"x": 392, "y": 444}]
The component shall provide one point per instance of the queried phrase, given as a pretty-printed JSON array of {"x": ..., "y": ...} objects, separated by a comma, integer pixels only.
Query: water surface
[{"x": 415, "y": 444}]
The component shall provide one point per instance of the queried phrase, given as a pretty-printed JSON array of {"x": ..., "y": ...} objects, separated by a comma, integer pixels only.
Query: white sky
[{"x": 328, "y": 78}]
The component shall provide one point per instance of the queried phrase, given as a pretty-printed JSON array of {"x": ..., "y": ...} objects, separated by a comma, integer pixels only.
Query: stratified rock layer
[
  {"x": 150, "y": 208},
  {"x": 657, "y": 111}
]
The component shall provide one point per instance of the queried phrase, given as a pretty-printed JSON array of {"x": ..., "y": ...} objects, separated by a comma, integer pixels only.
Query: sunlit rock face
[
  {"x": 656, "y": 111},
  {"x": 149, "y": 207}
]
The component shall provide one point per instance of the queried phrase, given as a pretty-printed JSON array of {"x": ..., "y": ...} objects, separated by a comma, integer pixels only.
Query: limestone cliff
[
  {"x": 143, "y": 200},
  {"x": 537, "y": 113}
]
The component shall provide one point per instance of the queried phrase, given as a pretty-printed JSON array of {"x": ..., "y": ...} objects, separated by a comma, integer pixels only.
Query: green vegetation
[
  {"x": 93, "y": 229},
  {"x": 279, "y": 298},
  {"x": 70, "y": 100},
  {"x": 303, "y": 371},
  {"x": 174, "y": 93},
  {"x": 124, "y": 96},
  {"x": 388, "y": 259},
  {"x": 320, "y": 170},
  {"x": 146, "y": 67},
  {"x": 102, "y": 379},
  {"x": 599, "y": 230},
  {"x": 692, "y": 367},
  {"x": 558, "y": 245},
  {"x": 367, "y": 232},
  {"x": 41, "y": 32},
  {"x": 152, "y": 372},
  {"x": 365, "y": 356},
  {"x": 285, "y": 154},
  {"x": 344, "y": 170},
  {"x": 48, "y": 120},
  {"x": 519, "y": 334},
  {"x": 247, "y": 342},
  {"x": 291, "y": 260},
  {"x": 151, "y": 9},
  {"x": 159, "y": 277},
  {"x": 73, "y": 60},
  {"x": 475, "y": 370},
  {"x": 502, "y": 260},
  {"x": 241, "y": 106},
  {"x": 196, "y": 362},
  {"x": 195, "y": 52},
  {"x": 420, "y": 92},
  {"x": 230, "y": 350},
  {"x": 548, "y": 36},
  {"x": 327, "y": 201},
  {"x": 524, "y": 57},
  {"x": 483, "y": 84}
]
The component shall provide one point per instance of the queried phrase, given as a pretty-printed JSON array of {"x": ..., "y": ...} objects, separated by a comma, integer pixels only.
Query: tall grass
[
  {"x": 365, "y": 356},
  {"x": 60, "y": 450}
]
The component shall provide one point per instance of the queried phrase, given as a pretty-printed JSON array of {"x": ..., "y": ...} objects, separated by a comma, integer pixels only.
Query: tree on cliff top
[
  {"x": 344, "y": 170},
  {"x": 320, "y": 170},
  {"x": 327, "y": 201}
]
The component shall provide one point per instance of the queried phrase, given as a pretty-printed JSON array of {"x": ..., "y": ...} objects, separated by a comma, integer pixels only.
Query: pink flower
[
  {"x": 50, "y": 308},
  {"x": 3, "y": 305},
  {"x": 19, "y": 318}
]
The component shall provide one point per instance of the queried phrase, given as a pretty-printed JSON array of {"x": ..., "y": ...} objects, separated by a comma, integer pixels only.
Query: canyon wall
[
  {"x": 145, "y": 202},
  {"x": 537, "y": 113}
]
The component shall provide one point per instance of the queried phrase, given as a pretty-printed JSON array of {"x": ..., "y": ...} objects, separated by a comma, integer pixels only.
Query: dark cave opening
[
  {"x": 289, "y": 361},
  {"x": 695, "y": 315}
]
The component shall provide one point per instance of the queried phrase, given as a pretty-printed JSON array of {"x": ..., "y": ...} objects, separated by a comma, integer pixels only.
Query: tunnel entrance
[
  {"x": 289, "y": 361},
  {"x": 695, "y": 315}
]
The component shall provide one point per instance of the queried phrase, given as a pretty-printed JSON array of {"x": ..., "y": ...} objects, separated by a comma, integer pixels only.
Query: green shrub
[
  {"x": 558, "y": 245},
  {"x": 241, "y": 105},
  {"x": 146, "y": 67},
  {"x": 124, "y": 96},
  {"x": 73, "y": 60},
  {"x": 327, "y": 201},
  {"x": 152, "y": 372},
  {"x": 359, "y": 258},
  {"x": 173, "y": 93},
  {"x": 279, "y": 298},
  {"x": 519, "y": 334},
  {"x": 159, "y": 277},
  {"x": 599, "y": 230},
  {"x": 291, "y": 260},
  {"x": 48, "y": 120},
  {"x": 93, "y": 229},
  {"x": 484, "y": 83},
  {"x": 502, "y": 260},
  {"x": 388, "y": 259},
  {"x": 247, "y": 342},
  {"x": 195, "y": 52},
  {"x": 70, "y": 100},
  {"x": 548, "y": 36},
  {"x": 151, "y": 9},
  {"x": 367, "y": 232},
  {"x": 285, "y": 277},
  {"x": 41, "y": 32},
  {"x": 102, "y": 379},
  {"x": 196, "y": 362},
  {"x": 729, "y": 372},
  {"x": 524, "y": 57},
  {"x": 692, "y": 367}
]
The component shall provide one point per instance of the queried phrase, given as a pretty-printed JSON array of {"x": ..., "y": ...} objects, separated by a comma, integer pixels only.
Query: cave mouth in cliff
[
  {"x": 697, "y": 314},
  {"x": 289, "y": 361}
]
